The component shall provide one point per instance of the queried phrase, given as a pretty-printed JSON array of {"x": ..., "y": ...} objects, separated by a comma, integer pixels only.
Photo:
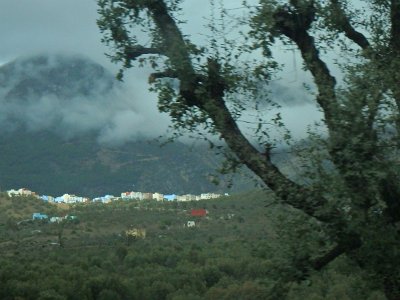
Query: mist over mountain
[
  {"x": 68, "y": 126},
  {"x": 29, "y": 79},
  {"x": 71, "y": 95}
]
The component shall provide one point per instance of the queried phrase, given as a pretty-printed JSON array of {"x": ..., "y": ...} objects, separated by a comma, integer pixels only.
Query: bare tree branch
[
  {"x": 174, "y": 47},
  {"x": 294, "y": 23},
  {"x": 134, "y": 52},
  {"x": 166, "y": 74},
  {"x": 343, "y": 23}
]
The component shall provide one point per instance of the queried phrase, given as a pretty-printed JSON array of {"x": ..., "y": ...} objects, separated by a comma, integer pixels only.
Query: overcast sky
[
  {"x": 34, "y": 26},
  {"x": 29, "y": 26}
]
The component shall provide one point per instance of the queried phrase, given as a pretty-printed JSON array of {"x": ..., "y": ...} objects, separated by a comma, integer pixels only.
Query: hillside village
[
  {"x": 71, "y": 199},
  {"x": 211, "y": 249},
  {"x": 127, "y": 196}
]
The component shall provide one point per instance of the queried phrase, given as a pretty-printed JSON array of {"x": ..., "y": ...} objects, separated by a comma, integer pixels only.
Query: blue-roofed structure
[
  {"x": 39, "y": 216},
  {"x": 44, "y": 198},
  {"x": 47, "y": 198},
  {"x": 104, "y": 199}
]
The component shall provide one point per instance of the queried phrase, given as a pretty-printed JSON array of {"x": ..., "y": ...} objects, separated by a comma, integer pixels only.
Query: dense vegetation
[{"x": 234, "y": 253}]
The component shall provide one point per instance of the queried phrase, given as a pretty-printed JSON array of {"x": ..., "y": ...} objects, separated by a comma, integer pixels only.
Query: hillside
[
  {"x": 48, "y": 164},
  {"x": 23, "y": 208},
  {"x": 241, "y": 250}
]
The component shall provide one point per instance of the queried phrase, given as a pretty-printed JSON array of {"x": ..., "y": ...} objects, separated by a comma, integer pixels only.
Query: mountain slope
[
  {"x": 48, "y": 164},
  {"x": 54, "y": 110}
]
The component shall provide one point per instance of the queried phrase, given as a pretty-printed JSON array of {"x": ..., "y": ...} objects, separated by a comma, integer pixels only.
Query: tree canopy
[{"x": 352, "y": 189}]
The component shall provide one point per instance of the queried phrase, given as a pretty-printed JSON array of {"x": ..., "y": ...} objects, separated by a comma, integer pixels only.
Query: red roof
[{"x": 199, "y": 212}]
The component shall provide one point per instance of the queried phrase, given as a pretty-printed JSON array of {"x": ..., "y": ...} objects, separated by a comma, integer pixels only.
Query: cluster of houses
[
  {"x": 70, "y": 199},
  {"x": 40, "y": 216},
  {"x": 66, "y": 198}
]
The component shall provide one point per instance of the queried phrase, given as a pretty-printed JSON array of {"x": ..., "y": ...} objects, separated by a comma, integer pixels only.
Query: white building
[
  {"x": 158, "y": 196},
  {"x": 105, "y": 199},
  {"x": 208, "y": 196},
  {"x": 12, "y": 193},
  {"x": 21, "y": 192},
  {"x": 191, "y": 224},
  {"x": 132, "y": 195},
  {"x": 56, "y": 219},
  {"x": 69, "y": 199},
  {"x": 187, "y": 197}
]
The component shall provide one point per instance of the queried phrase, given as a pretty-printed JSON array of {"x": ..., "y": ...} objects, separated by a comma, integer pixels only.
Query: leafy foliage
[{"x": 351, "y": 188}]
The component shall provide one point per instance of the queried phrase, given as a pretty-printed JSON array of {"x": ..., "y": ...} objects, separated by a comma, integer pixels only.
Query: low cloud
[
  {"x": 71, "y": 104},
  {"x": 71, "y": 96},
  {"x": 127, "y": 111}
]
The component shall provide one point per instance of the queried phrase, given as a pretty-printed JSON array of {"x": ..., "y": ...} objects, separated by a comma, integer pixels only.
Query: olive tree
[{"x": 354, "y": 193}]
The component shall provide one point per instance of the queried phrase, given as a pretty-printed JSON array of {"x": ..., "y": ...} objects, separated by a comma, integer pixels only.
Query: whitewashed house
[
  {"x": 187, "y": 197},
  {"x": 207, "y": 196},
  {"x": 56, "y": 219},
  {"x": 158, "y": 196},
  {"x": 21, "y": 192},
  {"x": 104, "y": 199},
  {"x": 69, "y": 199},
  {"x": 132, "y": 195},
  {"x": 12, "y": 193}
]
